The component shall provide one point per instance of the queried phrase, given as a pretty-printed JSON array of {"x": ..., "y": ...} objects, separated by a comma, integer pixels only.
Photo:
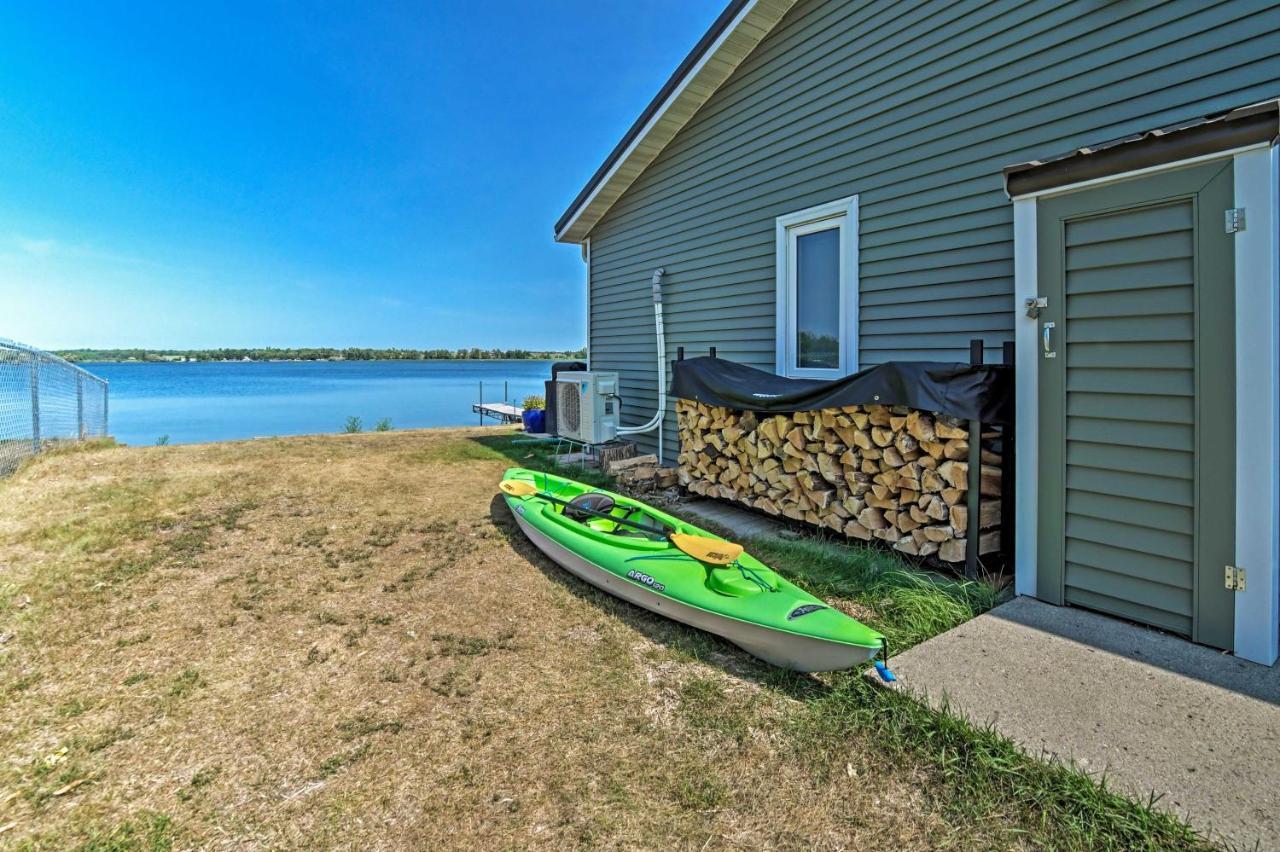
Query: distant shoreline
[{"x": 270, "y": 355}]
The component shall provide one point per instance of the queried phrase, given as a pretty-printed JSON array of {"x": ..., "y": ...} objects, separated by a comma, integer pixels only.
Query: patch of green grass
[
  {"x": 457, "y": 682},
  {"x": 52, "y": 449},
  {"x": 186, "y": 683},
  {"x": 312, "y": 536},
  {"x": 126, "y": 512},
  {"x": 362, "y": 725},
  {"x": 105, "y": 738},
  {"x": 905, "y": 604},
  {"x": 385, "y": 534},
  {"x": 22, "y": 684},
  {"x": 453, "y": 645},
  {"x": 980, "y": 775},
  {"x": 136, "y": 678},
  {"x": 699, "y": 791},
  {"x": 150, "y": 831},
  {"x": 202, "y": 778},
  {"x": 335, "y": 764},
  {"x": 707, "y": 708},
  {"x": 230, "y": 516},
  {"x": 535, "y": 456},
  {"x": 454, "y": 451}
]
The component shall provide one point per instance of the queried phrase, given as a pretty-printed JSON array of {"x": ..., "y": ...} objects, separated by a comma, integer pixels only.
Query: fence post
[
  {"x": 480, "y": 405},
  {"x": 79, "y": 406},
  {"x": 1008, "y": 449},
  {"x": 973, "y": 497},
  {"x": 106, "y": 398},
  {"x": 35, "y": 402}
]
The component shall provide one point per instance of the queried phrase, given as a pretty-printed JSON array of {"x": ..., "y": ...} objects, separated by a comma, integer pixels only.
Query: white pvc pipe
[{"x": 655, "y": 422}]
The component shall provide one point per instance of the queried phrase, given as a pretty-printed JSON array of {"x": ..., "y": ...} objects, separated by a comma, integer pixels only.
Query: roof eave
[{"x": 735, "y": 33}]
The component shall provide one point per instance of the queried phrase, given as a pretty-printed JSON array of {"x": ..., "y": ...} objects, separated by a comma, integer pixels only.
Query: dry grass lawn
[{"x": 343, "y": 641}]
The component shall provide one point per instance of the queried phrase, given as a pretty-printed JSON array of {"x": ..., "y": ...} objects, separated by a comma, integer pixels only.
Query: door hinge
[
  {"x": 1235, "y": 220},
  {"x": 1234, "y": 579}
]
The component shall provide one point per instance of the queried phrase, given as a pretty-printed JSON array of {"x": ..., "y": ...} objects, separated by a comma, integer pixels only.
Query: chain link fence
[{"x": 43, "y": 400}]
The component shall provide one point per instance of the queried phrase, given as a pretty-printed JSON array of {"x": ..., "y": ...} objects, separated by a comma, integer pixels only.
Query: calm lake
[{"x": 211, "y": 401}]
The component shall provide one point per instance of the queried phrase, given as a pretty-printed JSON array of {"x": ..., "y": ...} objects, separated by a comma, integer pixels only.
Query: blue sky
[{"x": 364, "y": 174}]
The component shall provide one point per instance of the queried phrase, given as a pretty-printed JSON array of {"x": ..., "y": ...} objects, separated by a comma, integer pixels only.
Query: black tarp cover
[{"x": 971, "y": 392}]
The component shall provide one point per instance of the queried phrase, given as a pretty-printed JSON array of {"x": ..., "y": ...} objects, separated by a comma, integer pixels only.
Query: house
[{"x": 829, "y": 185}]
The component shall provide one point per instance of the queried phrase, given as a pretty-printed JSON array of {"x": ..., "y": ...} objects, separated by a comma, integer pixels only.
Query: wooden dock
[{"x": 503, "y": 412}]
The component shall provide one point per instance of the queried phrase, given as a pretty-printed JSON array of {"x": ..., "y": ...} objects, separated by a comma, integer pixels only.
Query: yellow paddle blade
[
  {"x": 704, "y": 549},
  {"x": 517, "y": 487}
]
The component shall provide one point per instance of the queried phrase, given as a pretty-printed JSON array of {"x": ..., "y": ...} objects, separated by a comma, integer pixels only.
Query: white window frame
[{"x": 842, "y": 213}]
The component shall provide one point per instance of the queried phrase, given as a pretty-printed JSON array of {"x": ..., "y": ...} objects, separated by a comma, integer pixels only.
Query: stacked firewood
[
  {"x": 894, "y": 474},
  {"x": 641, "y": 473}
]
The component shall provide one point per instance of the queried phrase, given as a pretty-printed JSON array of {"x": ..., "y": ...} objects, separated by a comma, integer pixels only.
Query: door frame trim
[{"x": 1257, "y": 291}]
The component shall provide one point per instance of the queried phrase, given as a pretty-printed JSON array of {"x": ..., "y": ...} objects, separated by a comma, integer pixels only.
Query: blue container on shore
[{"x": 535, "y": 420}]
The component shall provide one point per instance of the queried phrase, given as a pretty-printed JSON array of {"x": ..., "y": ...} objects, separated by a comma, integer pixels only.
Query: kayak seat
[
  {"x": 587, "y": 509},
  {"x": 593, "y": 504}
]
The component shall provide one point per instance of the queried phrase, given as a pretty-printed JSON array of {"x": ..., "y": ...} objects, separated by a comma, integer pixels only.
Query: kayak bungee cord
[{"x": 749, "y": 574}]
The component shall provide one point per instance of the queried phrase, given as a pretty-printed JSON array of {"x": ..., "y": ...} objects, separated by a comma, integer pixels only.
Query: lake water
[{"x": 211, "y": 401}]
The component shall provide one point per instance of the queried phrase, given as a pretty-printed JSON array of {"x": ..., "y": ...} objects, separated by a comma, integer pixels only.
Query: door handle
[{"x": 1048, "y": 345}]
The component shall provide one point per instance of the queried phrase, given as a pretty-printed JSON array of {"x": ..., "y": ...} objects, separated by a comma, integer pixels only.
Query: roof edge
[{"x": 729, "y": 21}]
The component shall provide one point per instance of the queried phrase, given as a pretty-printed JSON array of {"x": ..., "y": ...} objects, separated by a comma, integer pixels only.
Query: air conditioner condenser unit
[{"x": 587, "y": 406}]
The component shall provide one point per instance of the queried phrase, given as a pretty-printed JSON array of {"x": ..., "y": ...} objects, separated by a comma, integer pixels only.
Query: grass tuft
[
  {"x": 905, "y": 604},
  {"x": 186, "y": 683},
  {"x": 981, "y": 773},
  {"x": 152, "y": 832}
]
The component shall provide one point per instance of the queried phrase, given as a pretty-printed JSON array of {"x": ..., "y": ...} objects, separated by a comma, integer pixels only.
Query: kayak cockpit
[{"x": 601, "y": 512}]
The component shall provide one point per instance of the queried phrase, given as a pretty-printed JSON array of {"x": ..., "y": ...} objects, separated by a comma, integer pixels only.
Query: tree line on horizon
[{"x": 316, "y": 354}]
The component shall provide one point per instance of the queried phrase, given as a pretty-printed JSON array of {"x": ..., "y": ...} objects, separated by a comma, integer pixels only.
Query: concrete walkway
[
  {"x": 1155, "y": 713},
  {"x": 739, "y": 521}
]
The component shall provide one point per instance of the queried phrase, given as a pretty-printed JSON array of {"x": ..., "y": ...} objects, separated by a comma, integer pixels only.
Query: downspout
[
  {"x": 586, "y": 258},
  {"x": 655, "y": 422}
]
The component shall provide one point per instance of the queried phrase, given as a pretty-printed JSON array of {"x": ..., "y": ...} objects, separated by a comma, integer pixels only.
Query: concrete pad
[
  {"x": 576, "y": 458},
  {"x": 1155, "y": 713},
  {"x": 740, "y": 522}
]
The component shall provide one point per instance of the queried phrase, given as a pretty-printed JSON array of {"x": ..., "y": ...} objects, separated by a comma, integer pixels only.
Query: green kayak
[{"x": 622, "y": 546}]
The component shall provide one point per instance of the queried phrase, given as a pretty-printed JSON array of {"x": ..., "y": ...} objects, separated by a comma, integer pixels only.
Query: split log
[{"x": 614, "y": 465}]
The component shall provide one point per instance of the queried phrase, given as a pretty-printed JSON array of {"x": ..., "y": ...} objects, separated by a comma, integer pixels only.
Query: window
[{"x": 817, "y": 303}]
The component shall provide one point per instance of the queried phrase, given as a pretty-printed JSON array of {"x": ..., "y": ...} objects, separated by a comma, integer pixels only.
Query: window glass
[{"x": 818, "y": 300}]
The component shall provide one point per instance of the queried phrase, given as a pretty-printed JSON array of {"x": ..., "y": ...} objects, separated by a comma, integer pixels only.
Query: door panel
[{"x": 1137, "y": 456}]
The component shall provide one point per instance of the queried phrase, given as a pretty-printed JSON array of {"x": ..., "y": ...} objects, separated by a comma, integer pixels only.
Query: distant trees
[{"x": 316, "y": 354}]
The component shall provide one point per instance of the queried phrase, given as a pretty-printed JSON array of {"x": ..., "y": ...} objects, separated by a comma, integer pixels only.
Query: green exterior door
[{"x": 1137, "y": 401}]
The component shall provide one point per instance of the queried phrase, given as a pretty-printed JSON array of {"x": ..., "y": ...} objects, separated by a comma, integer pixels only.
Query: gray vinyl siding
[{"x": 915, "y": 107}]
